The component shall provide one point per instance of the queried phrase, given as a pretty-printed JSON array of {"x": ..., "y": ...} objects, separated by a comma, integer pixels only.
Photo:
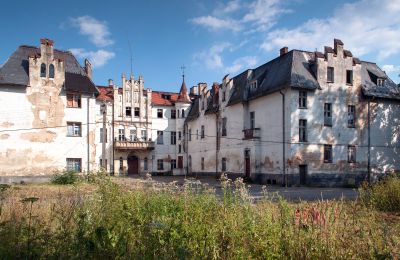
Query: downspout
[
  {"x": 112, "y": 140},
  {"x": 284, "y": 183},
  {"x": 369, "y": 143},
  {"x": 87, "y": 137}
]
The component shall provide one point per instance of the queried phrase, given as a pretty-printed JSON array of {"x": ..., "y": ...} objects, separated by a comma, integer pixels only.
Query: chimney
[
  {"x": 110, "y": 83},
  {"x": 46, "y": 47},
  {"x": 283, "y": 51},
  {"x": 88, "y": 69},
  {"x": 338, "y": 46}
]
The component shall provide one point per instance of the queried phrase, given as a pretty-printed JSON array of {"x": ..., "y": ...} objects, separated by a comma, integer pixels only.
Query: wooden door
[
  {"x": 133, "y": 165},
  {"x": 180, "y": 162}
]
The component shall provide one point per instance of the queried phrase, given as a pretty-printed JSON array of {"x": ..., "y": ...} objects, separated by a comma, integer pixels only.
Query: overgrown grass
[
  {"x": 65, "y": 178},
  {"x": 166, "y": 221},
  {"x": 384, "y": 195}
]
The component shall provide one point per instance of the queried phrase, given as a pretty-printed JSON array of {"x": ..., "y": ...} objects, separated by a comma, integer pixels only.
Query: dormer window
[
  {"x": 253, "y": 85},
  {"x": 51, "y": 71},
  {"x": 43, "y": 70},
  {"x": 380, "y": 82}
]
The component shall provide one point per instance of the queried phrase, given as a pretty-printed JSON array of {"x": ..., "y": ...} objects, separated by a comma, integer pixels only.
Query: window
[
  {"x": 190, "y": 135},
  {"x": 137, "y": 112},
  {"x": 144, "y": 135},
  {"x": 252, "y": 120},
  {"x": 197, "y": 134},
  {"x": 128, "y": 111},
  {"x": 351, "y": 154},
  {"x": 202, "y": 131},
  {"x": 302, "y": 99},
  {"x": 351, "y": 116},
  {"x": 183, "y": 113},
  {"x": 173, "y": 113},
  {"x": 202, "y": 163},
  {"x": 177, "y": 113},
  {"x": 120, "y": 111},
  {"x": 121, "y": 134},
  {"x": 173, "y": 137},
  {"x": 74, "y": 100},
  {"x": 224, "y": 120},
  {"x": 173, "y": 164},
  {"x": 302, "y": 130},
  {"x": 101, "y": 135},
  {"x": 136, "y": 97},
  {"x": 74, "y": 129},
  {"x": 223, "y": 96},
  {"x": 180, "y": 162},
  {"x": 145, "y": 164},
  {"x": 253, "y": 85},
  {"x": 51, "y": 71},
  {"x": 74, "y": 164},
  {"x": 330, "y": 74},
  {"x": 121, "y": 164},
  {"x": 159, "y": 113},
  {"x": 160, "y": 164},
  {"x": 380, "y": 82},
  {"x": 328, "y": 114},
  {"x": 101, "y": 164},
  {"x": 160, "y": 137},
  {"x": 349, "y": 77},
  {"x": 128, "y": 97},
  {"x": 327, "y": 153},
  {"x": 223, "y": 164},
  {"x": 179, "y": 135},
  {"x": 133, "y": 135},
  {"x": 120, "y": 98},
  {"x": 202, "y": 104},
  {"x": 43, "y": 70},
  {"x": 179, "y": 149}
]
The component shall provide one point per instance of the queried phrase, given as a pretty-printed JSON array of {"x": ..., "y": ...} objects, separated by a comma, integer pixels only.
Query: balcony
[
  {"x": 133, "y": 145},
  {"x": 252, "y": 133}
]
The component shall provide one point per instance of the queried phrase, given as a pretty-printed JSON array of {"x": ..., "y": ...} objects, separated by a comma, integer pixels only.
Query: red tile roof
[
  {"x": 161, "y": 98},
  {"x": 105, "y": 93}
]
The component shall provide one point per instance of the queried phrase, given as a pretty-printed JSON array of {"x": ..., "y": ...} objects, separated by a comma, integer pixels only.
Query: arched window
[
  {"x": 183, "y": 113},
  {"x": 43, "y": 70},
  {"x": 51, "y": 71}
]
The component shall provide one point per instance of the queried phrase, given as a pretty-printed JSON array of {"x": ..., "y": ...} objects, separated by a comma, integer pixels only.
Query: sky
[{"x": 209, "y": 38}]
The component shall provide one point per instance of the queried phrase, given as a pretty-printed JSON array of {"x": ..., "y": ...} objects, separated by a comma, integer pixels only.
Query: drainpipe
[
  {"x": 369, "y": 143},
  {"x": 87, "y": 137},
  {"x": 283, "y": 140},
  {"x": 112, "y": 136}
]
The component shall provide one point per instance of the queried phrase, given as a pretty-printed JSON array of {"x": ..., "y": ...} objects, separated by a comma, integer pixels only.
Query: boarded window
[
  {"x": 74, "y": 129},
  {"x": 327, "y": 153},
  {"x": 328, "y": 114},
  {"x": 351, "y": 154},
  {"x": 73, "y": 100},
  {"x": 302, "y": 130},
  {"x": 74, "y": 164},
  {"x": 351, "y": 116},
  {"x": 302, "y": 99}
]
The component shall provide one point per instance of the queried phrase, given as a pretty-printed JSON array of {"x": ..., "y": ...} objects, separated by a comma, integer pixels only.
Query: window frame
[
  {"x": 160, "y": 164},
  {"x": 160, "y": 113},
  {"x": 303, "y": 135},
  {"x": 74, "y": 100},
  {"x": 223, "y": 164},
  {"x": 202, "y": 132},
  {"x": 160, "y": 137},
  {"x": 349, "y": 77},
  {"x": 101, "y": 135},
  {"x": 330, "y": 74},
  {"x": 202, "y": 163},
  {"x": 136, "y": 112},
  {"x": 75, "y": 126},
  {"x": 303, "y": 99},
  {"x": 145, "y": 164},
  {"x": 121, "y": 134},
  {"x": 351, "y": 112},
  {"x": 351, "y": 154},
  {"x": 173, "y": 138},
  {"x": 223, "y": 127},
  {"x": 173, "y": 113},
  {"x": 173, "y": 164},
  {"x": 252, "y": 120},
  {"x": 328, "y": 118},
  {"x": 51, "y": 71},
  {"x": 130, "y": 111},
  {"x": 43, "y": 70},
  {"x": 72, "y": 163},
  {"x": 328, "y": 153}
]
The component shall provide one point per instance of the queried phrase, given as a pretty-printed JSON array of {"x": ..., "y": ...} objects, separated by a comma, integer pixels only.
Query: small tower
[{"x": 183, "y": 92}]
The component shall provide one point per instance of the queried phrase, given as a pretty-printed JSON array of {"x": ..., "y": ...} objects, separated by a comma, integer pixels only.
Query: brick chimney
[
  {"x": 88, "y": 68},
  {"x": 46, "y": 48},
  {"x": 283, "y": 51}
]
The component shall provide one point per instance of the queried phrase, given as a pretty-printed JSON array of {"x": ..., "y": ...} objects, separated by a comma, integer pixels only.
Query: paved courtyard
[{"x": 256, "y": 190}]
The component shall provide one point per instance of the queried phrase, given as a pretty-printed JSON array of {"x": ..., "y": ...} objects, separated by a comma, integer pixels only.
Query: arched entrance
[{"x": 133, "y": 165}]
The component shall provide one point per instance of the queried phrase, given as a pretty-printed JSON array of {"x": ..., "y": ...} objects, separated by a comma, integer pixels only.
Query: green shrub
[
  {"x": 383, "y": 195},
  {"x": 65, "y": 178}
]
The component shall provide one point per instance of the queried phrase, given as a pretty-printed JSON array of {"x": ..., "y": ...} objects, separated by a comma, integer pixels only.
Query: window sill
[{"x": 303, "y": 108}]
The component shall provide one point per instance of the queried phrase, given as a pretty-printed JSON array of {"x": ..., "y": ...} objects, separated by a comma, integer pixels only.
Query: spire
[{"x": 183, "y": 92}]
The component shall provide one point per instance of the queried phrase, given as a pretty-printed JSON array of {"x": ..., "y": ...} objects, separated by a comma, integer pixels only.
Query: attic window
[
  {"x": 167, "y": 97},
  {"x": 253, "y": 85},
  {"x": 43, "y": 70},
  {"x": 380, "y": 82}
]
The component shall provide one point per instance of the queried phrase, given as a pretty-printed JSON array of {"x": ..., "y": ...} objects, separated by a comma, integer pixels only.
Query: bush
[
  {"x": 65, "y": 178},
  {"x": 383, "y": 195}
]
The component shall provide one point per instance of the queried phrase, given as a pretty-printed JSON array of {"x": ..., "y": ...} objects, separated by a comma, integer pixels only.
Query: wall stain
[
  {"x": 41, "y": 136},
  {"x": 6, "y": 124},
  {"x": 4, "y": 136}
]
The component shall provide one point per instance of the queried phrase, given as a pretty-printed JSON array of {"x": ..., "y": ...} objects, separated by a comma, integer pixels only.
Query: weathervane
[{"x": 183, "y": 72}]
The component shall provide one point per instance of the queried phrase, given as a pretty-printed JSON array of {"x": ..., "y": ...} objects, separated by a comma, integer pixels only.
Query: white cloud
[
  {"x": 97, "y": 58},
  {"x": 214, "y": 23},
  {"x": 230, "y": 7},
  {"x": 212, "y": 58},
  {"x": 389, "y": 68},
  {"x": 241, "y": 64},
  {"x": 365, "y": 27},
  {"x": 96, "y": 30}
]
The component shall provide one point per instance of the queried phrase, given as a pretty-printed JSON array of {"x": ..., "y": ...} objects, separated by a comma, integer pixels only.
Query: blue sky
[{"x": 211, "y": 38}]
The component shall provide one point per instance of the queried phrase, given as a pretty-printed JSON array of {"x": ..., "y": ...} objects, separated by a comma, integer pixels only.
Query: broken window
[
  {"x": 328, "y": 114},
  {"x": 128, "y": 111},
  {"x": 349, "y": 77},
  {"x": 74, "y": 129},
  {"x": 252, "y": 120},
  {"x": 73, "y": 100},
  {"x": 101, "y": 135},
  {"x": 51, "y": 71},
  {"x": 302, "y": 130},
  {"x": 43, "y": 70},
  {"x": 202, "y": 131},
  {"x": 173, "y": 137},
  {"x": 202, "y": 163},
  {"x": 74, "y": 164},
  {"x": 327, "y": 153},
  {"x": 351, "y": 116},
  {"x": 173, "y": 164},
  {"x": 160, "y": 137},
  {"x": 159, "y": 113},
  {"x": 160, "y": 164},
  {"x": 223, "y": 164},
  {"x": 302, "y": 99},
  {"x": 330, "y": 74},
  {"x": 173, "y": 113},
  {"x": 121, "y": 134},
  {"x": 351, "y": 154},
  {"x": 137, "y": 112},
  {"x": 224, "y": 120}
]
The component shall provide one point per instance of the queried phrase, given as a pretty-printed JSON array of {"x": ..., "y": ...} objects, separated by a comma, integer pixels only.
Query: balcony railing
[
  {"x": 134, "y": 145},
  {"x": 252, "y": 133}
]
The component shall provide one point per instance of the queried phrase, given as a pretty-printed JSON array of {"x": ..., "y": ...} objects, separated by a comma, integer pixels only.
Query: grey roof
[
  {"x": 292, "y": 69},
  {"x": 194, "y": 111},
  {"x": 369, "y": 74},
  {"x": 15, "y": 71}
]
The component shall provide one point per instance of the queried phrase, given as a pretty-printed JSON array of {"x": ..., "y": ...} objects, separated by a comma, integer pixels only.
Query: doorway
[
  {"x": 247, "y": 163},
  {"x": 303, "y": 174},
  {"x": 133, "y": 165}
]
